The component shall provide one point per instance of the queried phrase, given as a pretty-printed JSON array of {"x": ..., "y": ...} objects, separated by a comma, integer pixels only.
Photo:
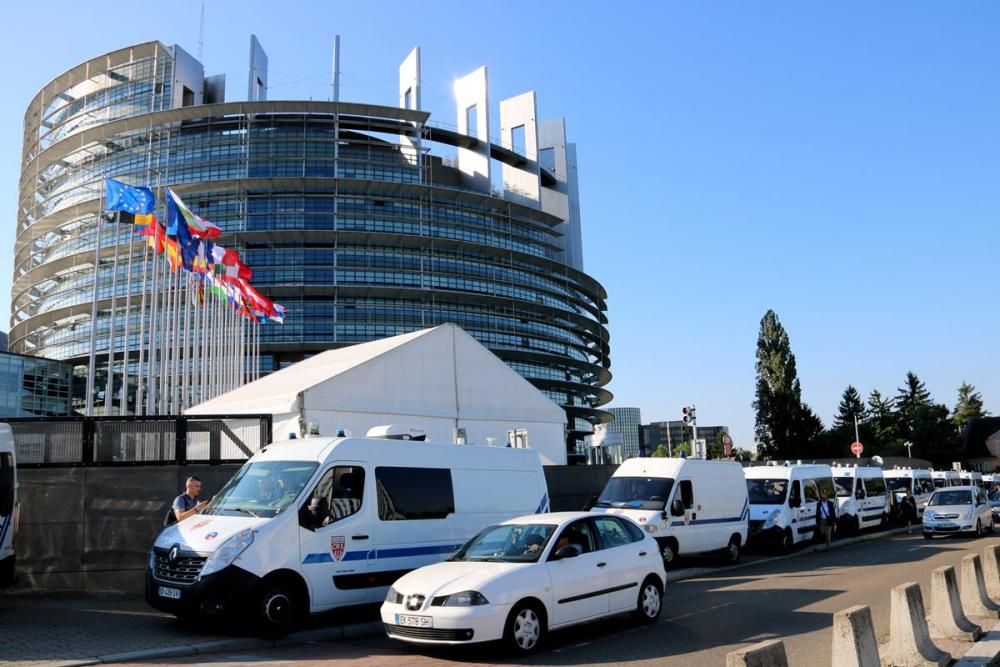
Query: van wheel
[
  {"x": 668, "y": 549},
  {"x": 732, "y": 552},
  {"x": 979, "y": 528},
  {"x": 856, "y": 526},
  {"x": 650, "y": 601},
  {"x": 525, "y": 628},
  {"x": 787, "y": 541},
  {"x": 277, "y": 609}
]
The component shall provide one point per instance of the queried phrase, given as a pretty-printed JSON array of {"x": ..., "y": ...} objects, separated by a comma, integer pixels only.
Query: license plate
[
  {"x": 947, "y": 524},
  {"x": 172, "y": 593},
  {"x": 414, "y": 621}
]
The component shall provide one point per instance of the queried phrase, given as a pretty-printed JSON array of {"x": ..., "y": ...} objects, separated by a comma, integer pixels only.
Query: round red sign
[{"x": 857, "y": 448}]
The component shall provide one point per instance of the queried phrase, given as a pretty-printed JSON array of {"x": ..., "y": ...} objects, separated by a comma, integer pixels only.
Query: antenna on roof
[
  {"x": 201, "y": 33},
  {"x": 335, "y": 83}
]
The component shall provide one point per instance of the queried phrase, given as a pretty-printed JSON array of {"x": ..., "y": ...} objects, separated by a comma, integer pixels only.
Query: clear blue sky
[{"x": 838, "y": 162}]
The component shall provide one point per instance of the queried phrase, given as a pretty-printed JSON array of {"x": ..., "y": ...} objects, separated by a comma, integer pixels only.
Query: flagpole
[
  {"x": 109, "y": 407},
  {"x": 195, "y": 347},
  {"x": 186, "y": 355},
  {"x": 150, "y": 382},
  {"x": 123, "y": 407},
  {"x": 92, "y": 363},
  {"x": 175, "y": 347}
]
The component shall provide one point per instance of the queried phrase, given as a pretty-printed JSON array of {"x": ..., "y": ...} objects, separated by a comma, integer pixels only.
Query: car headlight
[
  {"x": 651, "y": 528},
  {"x": 152, "y": 561},
  {"x": 771, "y": 519},
  {"x": 463, "y": 599},
  {"x": 228, "y": 551},
  {"x": 393, "y": 596}
]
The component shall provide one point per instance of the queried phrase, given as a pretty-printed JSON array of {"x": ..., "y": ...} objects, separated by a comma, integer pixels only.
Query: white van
[
  {"x": 901, "y": 481},
  {"x": 971, "y": 478},
  {"x": 312, "y": 524},
  {"x": 8, "y": 506},
  {"x": 862, "y": 499},
  {"x": 943, "y": 478},
  {"x": 689, "y": 505},
  {"x": 784, "y": 500}
]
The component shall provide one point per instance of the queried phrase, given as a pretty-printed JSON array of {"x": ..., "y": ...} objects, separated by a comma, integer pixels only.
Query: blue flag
[
  {"x": 177, "y": 228},
  {"x": 121, "y": 197}
]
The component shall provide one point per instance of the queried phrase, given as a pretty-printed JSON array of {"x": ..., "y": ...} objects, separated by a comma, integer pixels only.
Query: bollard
[
  {"x": 991, "y": 570},
  {"x": 854, "y": 643},
  {"x": 947, "y": 620},
  {"x": 765, "y": 654},
  {"x": 910, "y": 643},
  {"x": 975, "y": 601}
]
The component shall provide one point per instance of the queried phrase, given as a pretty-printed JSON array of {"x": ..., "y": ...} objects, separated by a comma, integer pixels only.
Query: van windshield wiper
[{"x": 242, "y": 509}]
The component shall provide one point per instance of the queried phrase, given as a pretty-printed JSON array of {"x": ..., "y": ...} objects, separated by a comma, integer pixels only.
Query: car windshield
[
  {"x": 940, "y": 482},
  {"x": 942, "y": 498},
  {"x": 899, "y": 483},
  {"x": 844, "y": 486},
  {"x": 508, "y": 543},
  {"x": 647, "y": 493},
  {"x": 263, "y": 488},
  {"x": 767, "y": 491}
]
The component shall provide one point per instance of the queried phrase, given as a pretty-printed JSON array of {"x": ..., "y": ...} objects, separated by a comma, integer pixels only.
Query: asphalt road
[{"x": 703, "y": 619}]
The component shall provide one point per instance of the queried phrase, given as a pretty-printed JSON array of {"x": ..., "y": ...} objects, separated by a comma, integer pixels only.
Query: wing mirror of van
[
  {"x": 311, "y": 515},
  {"x": 677, "y": 507}
]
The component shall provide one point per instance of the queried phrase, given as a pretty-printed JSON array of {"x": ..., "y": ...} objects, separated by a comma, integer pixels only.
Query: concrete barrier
[
  {"x": 991, "y": 570},
  {"x": 765, "y": 654},
  {"x": 975, "y": 600},
  {"x": 947, "y": 620},
  {"x": 854, "y": 643},
  {"x": 910, "y": 643}
]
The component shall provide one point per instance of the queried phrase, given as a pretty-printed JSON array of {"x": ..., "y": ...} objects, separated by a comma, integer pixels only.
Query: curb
[
  {"x": 984, "y": 652},
  {"x": 316, "y": 636},
  {"x": 692, "y": 573}
]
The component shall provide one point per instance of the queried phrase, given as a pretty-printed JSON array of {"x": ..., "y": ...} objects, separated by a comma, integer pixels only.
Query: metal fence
[{"x": 94, "y": 441}]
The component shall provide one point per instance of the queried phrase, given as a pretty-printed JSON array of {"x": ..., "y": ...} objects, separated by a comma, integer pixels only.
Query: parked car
[
  {"x": 316, "y": 523},
  {"x": 783, "y": 502},
  {"x": 689, "y": 506},
  {"x": 994, "y": 500},
  {"x": 862, "y": 499},
  {"x": 958, "y": 509},
  {"x": 516, "y": 581}
]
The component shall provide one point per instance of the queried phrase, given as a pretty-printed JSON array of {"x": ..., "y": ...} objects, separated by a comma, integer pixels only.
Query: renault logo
[
  {"x": 415, "y": 602},
  {"x": 174, "y": 552}
]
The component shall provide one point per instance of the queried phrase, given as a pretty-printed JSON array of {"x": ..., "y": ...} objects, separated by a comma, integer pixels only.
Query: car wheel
[
  {"x": 787, "y": 541},
  {"x": 856, "y": 527},
  {"x": 732, "y": 552},
  {"x": 979, "y": 528},
  {"x": 668, "y": 549},
  {"x": 276, "y": 609},
  {"x": 525, "y": 628},
  {"x": 650, "y": 601}
]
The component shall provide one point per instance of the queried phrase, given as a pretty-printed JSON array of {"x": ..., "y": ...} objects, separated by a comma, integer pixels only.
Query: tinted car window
[
  {"x": 648, "y": 493},
  {"x": 338, "y": 495},
  {"x": 612, "y": 532},
  {"x": 633, "y": 530},
  {"x": 875, "y": 486},
  {"x": 844, "y": 486},
  {"x": 767, "y": 491},
  {"x": 951, "y": 498},
  {"x": 408, "y": 494},
  {"x": 810, "y": 490},
  {"x": 578, "y": 533},
  {"x": 687, "y": 494},
  {"x": 825, "y": 485}
]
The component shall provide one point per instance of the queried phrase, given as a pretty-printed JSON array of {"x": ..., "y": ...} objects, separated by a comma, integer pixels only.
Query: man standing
[
  {"x": 826, "y": 517},
  {"x": 187, "y": 504}
]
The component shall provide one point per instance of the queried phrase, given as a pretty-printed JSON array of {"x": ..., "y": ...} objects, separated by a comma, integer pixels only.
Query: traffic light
[{"x": 689, "y": 414}]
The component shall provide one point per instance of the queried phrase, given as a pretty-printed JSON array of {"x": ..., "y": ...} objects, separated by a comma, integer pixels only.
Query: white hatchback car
[
  {"x": 517, "y": 580},
  {"x": 958, "y": 509}
]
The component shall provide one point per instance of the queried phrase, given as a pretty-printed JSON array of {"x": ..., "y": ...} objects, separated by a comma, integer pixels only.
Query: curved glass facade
[{"x": 358, "y": 238}]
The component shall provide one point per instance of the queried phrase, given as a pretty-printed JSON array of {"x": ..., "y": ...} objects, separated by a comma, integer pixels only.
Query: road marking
[{"x": 700, "y": 611}]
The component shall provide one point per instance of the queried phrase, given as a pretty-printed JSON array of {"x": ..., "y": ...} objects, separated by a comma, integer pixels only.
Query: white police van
[
  {"x": 8, "y": 506},
  {"x": 784, "y": 500},
  {"x": 973, "y": 478},
  {"x": 919, "y": 482},
  {"x": 944, "y": 478},
  {"x": 862, "y": 499},
  {"x": 689, "y": 506},
  {"x": 312, "y": 524}
]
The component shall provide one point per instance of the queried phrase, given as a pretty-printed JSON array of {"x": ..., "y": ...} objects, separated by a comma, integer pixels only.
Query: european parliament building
[{"x": 366, "y": 221}]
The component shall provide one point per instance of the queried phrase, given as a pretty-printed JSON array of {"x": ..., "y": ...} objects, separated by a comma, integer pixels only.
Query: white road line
[{"x": 700, "y": 611}]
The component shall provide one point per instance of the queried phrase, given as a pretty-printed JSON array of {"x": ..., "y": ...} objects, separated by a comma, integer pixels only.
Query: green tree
[
  {"x": 716, "y": 448},
  {"x": 851, "y": 407},
  {"x": 933, "y": 435},
  {"x": 881, "y": 419},
  {"x": 742, "y": 455},
  {"x": 682, "y": 449},
  {"x": 778, "y": 395},
  {"x": 969, "y": 405},
  {"x": 660, "y": 452},
  {"x": 911, "y": 396}
]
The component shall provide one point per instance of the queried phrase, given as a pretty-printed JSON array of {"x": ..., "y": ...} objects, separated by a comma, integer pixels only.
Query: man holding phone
[{"x": 187, "y": 503}]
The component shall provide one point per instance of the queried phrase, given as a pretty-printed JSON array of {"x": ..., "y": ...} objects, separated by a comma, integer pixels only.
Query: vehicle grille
[
  {"x": 184, "y": 571},
  {"x": 436, "y": 634},
  {"x": 755, "y": 526},
  {"x": 946, "y": 516}
]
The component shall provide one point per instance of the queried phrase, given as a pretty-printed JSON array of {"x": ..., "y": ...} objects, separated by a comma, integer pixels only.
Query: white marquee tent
[{"x": 435, "y": 379}]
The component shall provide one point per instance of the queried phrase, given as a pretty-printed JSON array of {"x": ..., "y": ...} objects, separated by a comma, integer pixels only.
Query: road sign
[{"x": 857, "y": 448}]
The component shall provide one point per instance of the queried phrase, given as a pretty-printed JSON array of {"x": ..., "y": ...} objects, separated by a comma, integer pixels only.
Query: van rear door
[{"x": 335, "y": 535}]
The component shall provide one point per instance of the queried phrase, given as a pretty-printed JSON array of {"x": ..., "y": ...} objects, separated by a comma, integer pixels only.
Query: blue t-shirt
[{"x": 184, "y": 502}]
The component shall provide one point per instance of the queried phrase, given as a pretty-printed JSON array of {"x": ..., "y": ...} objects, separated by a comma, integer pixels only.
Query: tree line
[{"x": 787, "y": 428}]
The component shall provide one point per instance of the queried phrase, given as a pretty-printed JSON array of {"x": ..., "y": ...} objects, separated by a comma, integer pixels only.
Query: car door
[
  {"x": 334, "y": 536},
  {"x": 807, "y": 513},
  {"x": 579, "y": 584},
  {"x": 626, "y": 560}
]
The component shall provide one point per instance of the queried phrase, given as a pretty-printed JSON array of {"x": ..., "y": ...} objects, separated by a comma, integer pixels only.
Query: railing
[{"x": 104, "y": 441}]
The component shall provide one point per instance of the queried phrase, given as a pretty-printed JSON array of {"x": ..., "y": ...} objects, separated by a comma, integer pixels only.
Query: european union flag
[{"x": 121, "y": 197}]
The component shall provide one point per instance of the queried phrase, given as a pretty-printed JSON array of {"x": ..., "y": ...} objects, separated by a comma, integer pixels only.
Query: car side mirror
[
  {"x": 568, "y": 551},
  {"x": 677, "y": 507}
]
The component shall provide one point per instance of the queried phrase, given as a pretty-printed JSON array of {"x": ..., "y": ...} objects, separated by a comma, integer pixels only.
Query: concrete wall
[{"x": 90, "y": 529}]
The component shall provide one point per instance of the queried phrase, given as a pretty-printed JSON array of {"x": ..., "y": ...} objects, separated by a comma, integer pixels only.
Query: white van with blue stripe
[
  {"x": 317, "y": 523},
  {"x": 784, "y": 500},
  {"x": 8, "y": 506},
  {"x": 690, "y": 506}
]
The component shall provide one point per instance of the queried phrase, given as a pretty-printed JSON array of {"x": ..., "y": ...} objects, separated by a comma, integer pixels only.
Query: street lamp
[{"x": 909, "y": 446}]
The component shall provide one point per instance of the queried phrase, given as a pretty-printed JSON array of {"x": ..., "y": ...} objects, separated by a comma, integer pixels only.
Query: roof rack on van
[{"x": 397, "y": 432}]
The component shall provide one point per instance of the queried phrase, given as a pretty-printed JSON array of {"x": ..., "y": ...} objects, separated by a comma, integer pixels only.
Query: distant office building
[
  {"x": 626, "y": 422},
  {"x": 31, "y": 386},
  {"x": 3, "y": 341},
  {"x": 670, "y": 433}
]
